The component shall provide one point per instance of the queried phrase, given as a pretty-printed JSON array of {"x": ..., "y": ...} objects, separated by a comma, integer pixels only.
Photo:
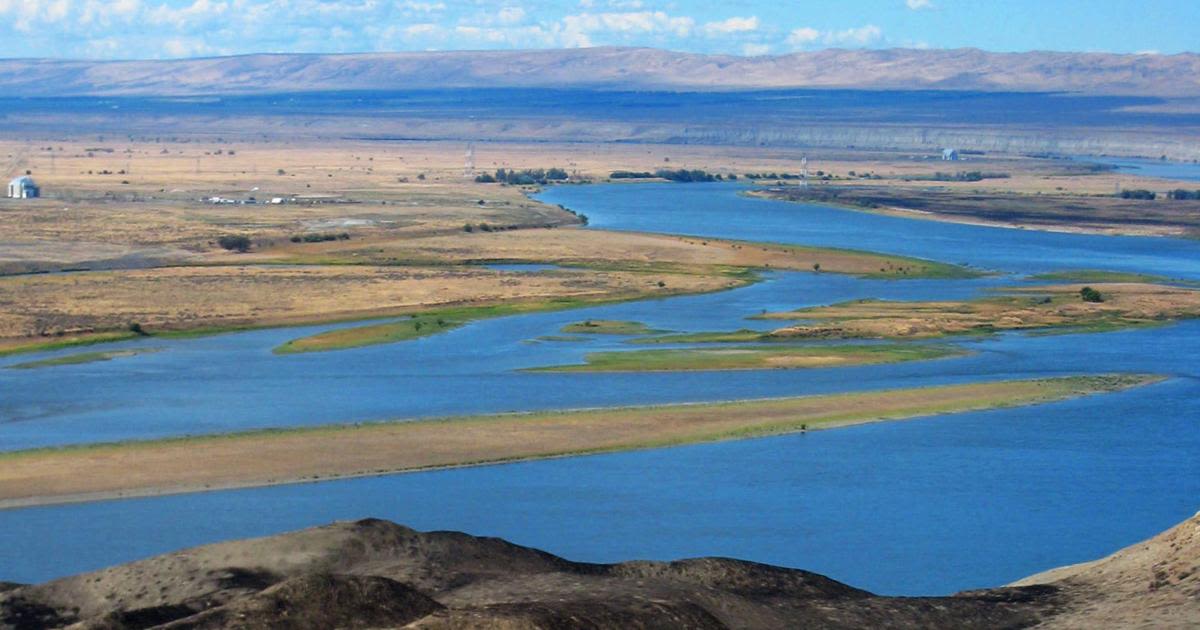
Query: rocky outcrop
[
  {"x": 381, "y": 575},
  {"x": 376, "y": 574}
]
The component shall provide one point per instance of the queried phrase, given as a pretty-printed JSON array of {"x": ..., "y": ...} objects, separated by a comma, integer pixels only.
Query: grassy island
[
  {"x": 607, "y": 327},
  {"x": 1097, "y": 307},
  {"x": 80, "y": 358},
  {"x": 755, "y": 358},
  {"x": 304, "y": 454}
]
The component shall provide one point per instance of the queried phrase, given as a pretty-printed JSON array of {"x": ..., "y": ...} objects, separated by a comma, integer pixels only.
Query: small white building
[
  {"x": 950, "y": 155},
  {"x": 23, "y": 188}
]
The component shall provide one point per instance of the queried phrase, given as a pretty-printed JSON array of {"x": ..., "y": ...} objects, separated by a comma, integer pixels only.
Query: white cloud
[
  {"x": 862, "y": 35},
  {"x": 199, "y": 10},
  {"x": 629, "y": 22},
  {"x": 421, "y": 29},
  {"x": 155, "y": 28},
  {"x": 510, "y": 15},
  {"x": 731, "y": 25},
  {"x": 755, "y": 50},
  {"x": 917, "y": 5},
  {"x": 802, "y": 36},
  {"x": 124, "y": 7},
  {"x": 421, "y": 7},
  {"x": 185, "y": 47}
]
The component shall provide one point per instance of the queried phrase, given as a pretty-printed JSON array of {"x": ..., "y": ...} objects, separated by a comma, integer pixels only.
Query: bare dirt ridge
[
  {"x": 377, "y": 574},
  {"x": 609, "y": 67}
]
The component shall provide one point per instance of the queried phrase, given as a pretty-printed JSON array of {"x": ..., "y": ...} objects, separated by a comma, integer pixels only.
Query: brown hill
[
  {"x": 1154, "y": 584},
  {"x": 378, "y": 574},
  {"x": 616, "y": 68}
]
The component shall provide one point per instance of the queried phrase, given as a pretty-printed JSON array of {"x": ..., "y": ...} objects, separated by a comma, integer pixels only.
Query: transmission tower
[
  {"x": 804, "y": 172},
  {"x": 469, "y": 167}
]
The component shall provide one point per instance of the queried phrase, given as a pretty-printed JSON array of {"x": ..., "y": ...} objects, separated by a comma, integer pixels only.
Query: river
[{"x": 922, "y": 507}]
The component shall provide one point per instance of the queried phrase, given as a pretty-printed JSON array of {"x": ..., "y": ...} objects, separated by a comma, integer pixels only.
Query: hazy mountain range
[{"x": 611, "y": 68}]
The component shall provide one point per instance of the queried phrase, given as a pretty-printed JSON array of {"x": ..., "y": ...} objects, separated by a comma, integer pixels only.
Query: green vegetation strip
[
  {"x": 891, "y": 266},
  {"x": 744, "y": 335},
  {"x": 411, "y": 328},
  {"x": 60, "y": 343},
  {"x": 428, "y": 323},
  {"x": 607, "y": 327},
  {"x": 303, "y": 454},
  {"x": 755, "y": 358},
  {"x": 1097, "y": 276},
  {"x": 83, "y": 357}
]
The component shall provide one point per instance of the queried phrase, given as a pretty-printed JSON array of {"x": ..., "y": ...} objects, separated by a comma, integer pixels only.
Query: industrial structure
[{"x": 23, "y": 188}]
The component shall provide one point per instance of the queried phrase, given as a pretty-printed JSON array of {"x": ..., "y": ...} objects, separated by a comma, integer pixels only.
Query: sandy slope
[{"x": 1154, "y": 584}]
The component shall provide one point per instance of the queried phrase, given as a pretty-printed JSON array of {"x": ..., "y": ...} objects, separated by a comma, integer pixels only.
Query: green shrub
[{"x": 235, "y": 243}]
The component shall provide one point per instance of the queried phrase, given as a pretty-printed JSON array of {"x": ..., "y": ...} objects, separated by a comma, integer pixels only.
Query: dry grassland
[
  {"x": 183, "y": 298},
  {"x": 599, "y": 248},
  {"x": 1125, "y": 305}
]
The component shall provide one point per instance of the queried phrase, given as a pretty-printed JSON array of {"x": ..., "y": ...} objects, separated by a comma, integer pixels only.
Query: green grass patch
[
  {"x": 607, "y": 327},
  {"x": 435, "y": 321},
  {"x": 59, "y": 343},
  {"x": 744, "y": 335},
  {"x": 412, "y": 328},
  {"x": 1077, "y": 276},
  {"x": 755, "y": 358},
  {"x": 83, "y": 357}
]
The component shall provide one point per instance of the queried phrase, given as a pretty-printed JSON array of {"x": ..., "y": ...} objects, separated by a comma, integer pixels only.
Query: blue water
[
  {"x": 1161, "y": 169},
  {"x": 928, "y": 506},
  {"x": 716, "y": 210}
]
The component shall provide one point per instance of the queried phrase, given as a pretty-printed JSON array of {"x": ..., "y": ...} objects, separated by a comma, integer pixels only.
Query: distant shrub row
[
  {"x": 525, "y": 177},
  {"x": 774, "y": 175},
  {"x": 965, "y": 176},
  {"x": 1182, "y": 194},
  {"x": 1139, "y": 193},
  {"x": 677, "y": 175},
  {"x": 583, "y": 218},
  {"x": 319, "y": 237}
]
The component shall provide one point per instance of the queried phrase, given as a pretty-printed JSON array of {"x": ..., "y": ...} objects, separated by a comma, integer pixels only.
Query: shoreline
[
  {"x": 736, "y": 276},
  {"x": 269, "y": 457},
  {"x": 518, "y": 306},
  {"x": 927, "y": 215}
]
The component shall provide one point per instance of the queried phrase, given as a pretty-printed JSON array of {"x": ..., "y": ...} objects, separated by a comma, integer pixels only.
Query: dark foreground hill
[
  {"x": 612, "y": 68},
  {"x": 376, "y": 574}
]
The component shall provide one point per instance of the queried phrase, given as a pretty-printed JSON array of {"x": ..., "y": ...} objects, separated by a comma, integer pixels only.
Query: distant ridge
[{"x": 611, "y": 68}]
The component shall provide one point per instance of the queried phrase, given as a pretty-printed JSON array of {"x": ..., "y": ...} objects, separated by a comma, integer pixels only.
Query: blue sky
[{"x": 122, "y": 29}]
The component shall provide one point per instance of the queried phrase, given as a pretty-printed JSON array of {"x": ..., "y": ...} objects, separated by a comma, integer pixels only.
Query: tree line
[{"x": 525, "y": 177}]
